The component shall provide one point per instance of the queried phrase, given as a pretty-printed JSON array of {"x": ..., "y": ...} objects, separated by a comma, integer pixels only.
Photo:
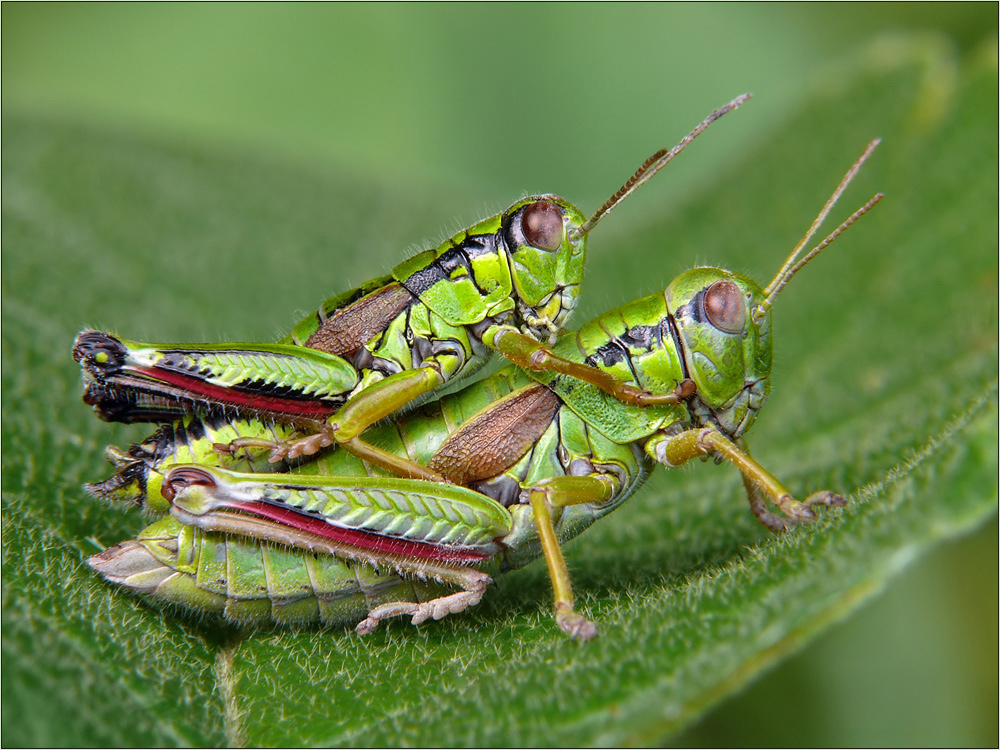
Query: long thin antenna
[
  {"x": 791, "y": 266},
  {"x": 654, "y": 164},
  {"x": 782, "y": 277},
  {"x": 830, "y": 238}
]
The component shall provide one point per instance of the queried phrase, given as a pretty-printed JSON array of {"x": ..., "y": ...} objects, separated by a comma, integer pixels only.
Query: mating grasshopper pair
[{"x": 520, "y": 462}]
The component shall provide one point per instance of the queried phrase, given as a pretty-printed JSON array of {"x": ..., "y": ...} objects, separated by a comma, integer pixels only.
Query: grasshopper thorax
[{"x": 726, "y": 349}]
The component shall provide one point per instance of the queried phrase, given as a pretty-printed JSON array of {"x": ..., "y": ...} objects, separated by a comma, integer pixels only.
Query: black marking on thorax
[
  {"x": 619, "y": 347},
  {"x": 442, "y": 267},
  {"x": 607, "y": 355},
  {"x": 424, "y": 279},
  {"x": 640, "y": 337}
]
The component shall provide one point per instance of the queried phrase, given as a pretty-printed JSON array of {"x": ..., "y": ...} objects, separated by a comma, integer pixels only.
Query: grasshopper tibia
[
  {"x": 556, "y": 493},
  {"x": 675, "y": 450}
]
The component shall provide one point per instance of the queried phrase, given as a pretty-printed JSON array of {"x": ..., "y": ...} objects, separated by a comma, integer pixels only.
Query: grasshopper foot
[
  {"x": 574, "y": 624},
  {"x": 234, "y": 447},
  {"x": 306, "y": 446},
  {"x": 772, "y": 521},
  {"x": 419, "y": 612},
  {"x": 826, "y": 498},
  {"x": 278, "y": 451},
  {"x": 795, "y": 511},
  {"x": 803, "y": 512}
]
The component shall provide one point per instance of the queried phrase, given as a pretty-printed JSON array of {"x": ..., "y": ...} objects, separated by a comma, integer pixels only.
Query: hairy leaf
[{"x": 885, "y": 388}]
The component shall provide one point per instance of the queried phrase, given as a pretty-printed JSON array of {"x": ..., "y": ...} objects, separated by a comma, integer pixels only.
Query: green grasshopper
[
  {"x": 532, "y": 459},
  {"x": 507, "y": 284},
  {"x": 247, "y": 581}
]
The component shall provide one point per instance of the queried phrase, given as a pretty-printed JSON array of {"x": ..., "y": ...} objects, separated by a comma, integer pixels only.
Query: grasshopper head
[
  {"x": 724, "y": 323},
  {"x": 726, "y": 348},
  {"x": 547, "y": 238},
  {"x": 547, "y": 254}
]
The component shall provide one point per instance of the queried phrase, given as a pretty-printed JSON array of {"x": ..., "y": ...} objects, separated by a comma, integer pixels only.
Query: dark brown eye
[
  {"x": 724, "y": 307},
  {"x": 542, "y": 224}
]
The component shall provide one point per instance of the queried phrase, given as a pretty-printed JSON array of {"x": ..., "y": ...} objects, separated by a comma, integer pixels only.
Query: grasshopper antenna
[
  {"x": 792, "y": 266},
  {"x": 654, "y": 164}
]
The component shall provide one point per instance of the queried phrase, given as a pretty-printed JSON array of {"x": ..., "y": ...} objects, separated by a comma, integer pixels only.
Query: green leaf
[{"x": 885, "y": 388}]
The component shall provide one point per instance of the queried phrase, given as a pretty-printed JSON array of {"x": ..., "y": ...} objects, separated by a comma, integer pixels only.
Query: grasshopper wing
[{"x": 132, "y": 381}]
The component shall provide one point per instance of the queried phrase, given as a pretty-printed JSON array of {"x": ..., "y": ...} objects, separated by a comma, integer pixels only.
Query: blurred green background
[
  {"x": 472, "y": 94},
  {"x": 483, "y": 103}
]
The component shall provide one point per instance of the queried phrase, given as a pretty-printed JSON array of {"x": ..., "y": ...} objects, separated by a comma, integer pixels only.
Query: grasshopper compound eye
[
  {"x": 724, "y": 307},
  {"x": 542, "y": 225}
]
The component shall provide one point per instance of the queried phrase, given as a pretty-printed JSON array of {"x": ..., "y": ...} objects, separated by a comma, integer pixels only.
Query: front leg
[
  {"x": 533, "y": 355},
  {"x": 761, "y": 485}
]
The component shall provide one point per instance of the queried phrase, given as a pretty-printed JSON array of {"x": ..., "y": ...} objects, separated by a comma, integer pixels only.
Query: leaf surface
[{"x": 885, "y": 388}]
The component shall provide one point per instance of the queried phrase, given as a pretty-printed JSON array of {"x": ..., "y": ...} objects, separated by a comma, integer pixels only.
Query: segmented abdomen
[{"x": 250, "y": 582}]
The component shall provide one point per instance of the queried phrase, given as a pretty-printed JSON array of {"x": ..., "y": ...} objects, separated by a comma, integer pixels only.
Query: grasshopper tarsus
[
  {"x": 575, "y": 625},
  {"x": 224, "y": 449},
  {"x": 825, "y": 498},
  {"x": 796, "y": 511},
  {"x": 802, "y": 512},
  {"x": 306, "y": 446},
  {"x": 435, "y": 609},
  {"x": 244, "y": 444},
  {"x": 772, "y": 522}
]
